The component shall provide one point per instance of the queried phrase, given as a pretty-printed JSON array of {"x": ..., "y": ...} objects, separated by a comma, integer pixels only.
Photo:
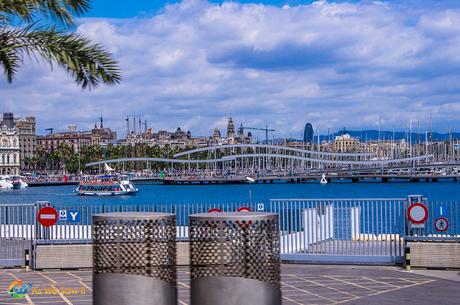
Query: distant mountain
[{"x": 373, "y": 135}]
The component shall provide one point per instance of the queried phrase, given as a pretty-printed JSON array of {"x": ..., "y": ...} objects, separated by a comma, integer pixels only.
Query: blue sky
[
  {"x": 124, "y": 9},
  {"x": 194, "y": 63},
  {"x": 143, "y": 8},
  {"x": 137, "y": 8}
]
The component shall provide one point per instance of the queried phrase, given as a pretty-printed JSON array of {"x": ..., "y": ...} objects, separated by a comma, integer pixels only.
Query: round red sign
[
  {"x": 417, "y": 213},
  {"x": 47, "y": 216},
  {"x": 244, "y": 209},
  {"x": 441, "y": 224},
  {"x": 214, "y": 210}
]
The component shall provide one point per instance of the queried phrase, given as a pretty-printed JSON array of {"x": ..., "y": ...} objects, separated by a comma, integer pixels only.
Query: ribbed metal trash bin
[
  {"x": 134, "y": 259},
  {"x": 234, "y": 259}
]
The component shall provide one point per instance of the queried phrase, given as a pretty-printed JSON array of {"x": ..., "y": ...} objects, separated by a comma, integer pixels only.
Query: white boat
[
  {"x": 105, "y": 186},
  {"x": 323, "y": 179},
  {"x": 5, "y": 182},
  {"x": 18, "y": 183}
]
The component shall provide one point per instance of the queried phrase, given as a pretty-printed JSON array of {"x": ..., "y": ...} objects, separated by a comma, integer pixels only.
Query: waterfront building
[
  {"x": 201, "y": 142},
  {"x": 345, "y": 143},
  {"x": 77, "y": 139},
  {"x": 178, "y": 135},
  {"x": 308, "y": 133},
  {"x": 26, "y": 128},
  {"x": 230, "y": 129},
  {"x": 217, "y": 135},
  {"x": 184, "y": 139},
  {"x": 8, "y": 120},
  {"x": 72, "y": 138},
  {"x": 9, "y": 151},
  {"x": 102, "y": 135},
  {"x": 174, "y": 138},
  {"x": 27, "y": 140},
  {"x": 248, "y": 139},
  {"x": 241, "y": 131},
  {"x": 163, "y": 138},
  {"x": 232, "y": 138}
]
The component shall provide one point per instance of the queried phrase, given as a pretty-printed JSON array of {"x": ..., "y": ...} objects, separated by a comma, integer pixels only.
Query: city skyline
[
  {"x": 258, "y": 135},
  {"x": 194, "y": 63}
]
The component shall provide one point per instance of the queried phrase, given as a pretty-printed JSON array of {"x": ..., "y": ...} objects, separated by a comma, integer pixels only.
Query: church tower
[{"x": 230, "y": 128}]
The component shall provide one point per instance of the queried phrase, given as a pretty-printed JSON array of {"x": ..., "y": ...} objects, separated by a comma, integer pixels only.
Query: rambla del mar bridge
[{"x": 269, "y": 163}]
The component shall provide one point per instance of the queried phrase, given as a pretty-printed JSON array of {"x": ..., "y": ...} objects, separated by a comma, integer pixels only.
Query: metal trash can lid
[
  {"x": 234, "y": 216},
  {"x": 132, "y": 216}
]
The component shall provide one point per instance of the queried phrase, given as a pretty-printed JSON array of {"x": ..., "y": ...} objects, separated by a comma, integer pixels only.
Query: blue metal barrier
[{"x": 316, "y": 230}]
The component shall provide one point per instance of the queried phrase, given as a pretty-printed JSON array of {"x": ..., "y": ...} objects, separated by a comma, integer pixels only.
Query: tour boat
[
  {"x": 106, "y": 186},
  {"x": 18, "y": 183},
  {"x": 5, "y": 182}
]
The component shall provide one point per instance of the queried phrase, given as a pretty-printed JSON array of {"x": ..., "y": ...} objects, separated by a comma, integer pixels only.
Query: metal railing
[
  {"x": 17, "y": 229},
  {"x": 329, "y": 230},
  {"x": 80, "y": 231},
  {"x": 342, "y": 230}
]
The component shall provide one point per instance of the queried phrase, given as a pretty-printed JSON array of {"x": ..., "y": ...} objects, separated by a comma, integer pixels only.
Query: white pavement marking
[
  {"x": 80, "y": 280},
  {"x": 63, "y": 297},
  {"x": 350, "y": 283},
  {"x": 291, "y": 300},
  {"x": 390, "y": 290},
  {"x": 306, "y": 291},
  {"x": 326, "y": 286},
  {"x": 384, "y": 283}
]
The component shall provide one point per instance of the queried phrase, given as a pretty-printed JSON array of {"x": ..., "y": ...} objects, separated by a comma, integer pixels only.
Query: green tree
[
  {"x": 22, "y": 35},
  {"x": 66, "y": 155}
]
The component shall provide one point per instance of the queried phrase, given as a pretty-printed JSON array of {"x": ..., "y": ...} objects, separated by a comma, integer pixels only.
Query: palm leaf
[
  {"x": 58, "y": 10},
  {"x": 88, "y": 63}
]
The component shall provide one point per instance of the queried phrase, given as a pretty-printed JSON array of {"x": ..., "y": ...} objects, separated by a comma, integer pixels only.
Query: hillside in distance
[{"x": 373, "y": 135}]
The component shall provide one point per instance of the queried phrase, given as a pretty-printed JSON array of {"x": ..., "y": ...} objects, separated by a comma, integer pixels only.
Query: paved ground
[{"x": 301, "y": 284}]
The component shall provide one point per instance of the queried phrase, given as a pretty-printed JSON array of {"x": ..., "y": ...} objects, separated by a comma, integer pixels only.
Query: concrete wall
[{"x": 73, "y": 256}]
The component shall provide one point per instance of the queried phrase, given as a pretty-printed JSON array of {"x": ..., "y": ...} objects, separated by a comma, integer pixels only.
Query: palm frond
[
  {"x": 88, "y": 63},
  {"x": 59, "y": 10},
  {"x": 19, "y": 9}
]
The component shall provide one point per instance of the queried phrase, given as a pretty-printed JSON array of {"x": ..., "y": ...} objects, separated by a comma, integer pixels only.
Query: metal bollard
[
  {"x": 234, "y": 259},
  {"x": 407, "y": 259},
  {"x": 134, "y": 259}
]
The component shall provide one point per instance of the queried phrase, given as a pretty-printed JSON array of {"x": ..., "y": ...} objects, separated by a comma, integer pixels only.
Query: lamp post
[{"x": 250, "y": 180}]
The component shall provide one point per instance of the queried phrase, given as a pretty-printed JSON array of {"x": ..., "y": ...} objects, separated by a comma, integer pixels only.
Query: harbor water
[{"x": 236, "y": 193}]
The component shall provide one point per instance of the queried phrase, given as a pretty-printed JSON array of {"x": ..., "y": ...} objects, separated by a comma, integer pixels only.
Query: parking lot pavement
[{"x": 301, "y": 284}]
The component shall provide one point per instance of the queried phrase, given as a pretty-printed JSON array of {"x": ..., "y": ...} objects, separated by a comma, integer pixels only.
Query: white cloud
[{"x": 195, "y": 63}]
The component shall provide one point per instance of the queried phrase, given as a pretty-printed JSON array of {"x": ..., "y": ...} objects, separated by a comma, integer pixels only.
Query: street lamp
[{"x": 250, "y": 180}]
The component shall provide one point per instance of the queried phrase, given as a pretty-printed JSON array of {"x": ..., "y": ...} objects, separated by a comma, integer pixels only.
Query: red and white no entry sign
[
  {"x": 441, "y": 224},
  {"x": 214, "y": 210},
  {"x": 47, "y": 216},
  {"x": 417, "y": 213},
  {"x": 244, "y": 209}
]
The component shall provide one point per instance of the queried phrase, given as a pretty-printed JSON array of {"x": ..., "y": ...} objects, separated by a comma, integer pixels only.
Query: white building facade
[{"x": 9, "y": 151}]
